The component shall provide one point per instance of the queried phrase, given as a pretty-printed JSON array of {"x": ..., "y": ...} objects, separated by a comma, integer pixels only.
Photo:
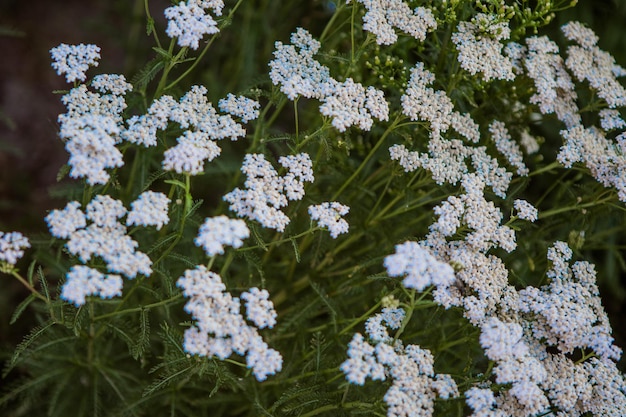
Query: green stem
[
  {"x": 548, "y": 213},
  {"x": 140, "y": 308},
  {"x": 205, "y": 49},
  {"x": 369, "y": 156},
  {"x": 29, "y": 287}
]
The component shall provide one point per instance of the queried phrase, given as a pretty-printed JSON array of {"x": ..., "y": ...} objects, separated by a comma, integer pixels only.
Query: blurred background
[{"x": 31, "y": 154}]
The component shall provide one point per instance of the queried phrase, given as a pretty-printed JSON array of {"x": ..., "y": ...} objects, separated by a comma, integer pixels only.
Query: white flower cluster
[
  {"x": 329, "y": 215},
  {"x": 421, "y": 102},
  {"x": 92, "y": 127},
  {"x": 189, "y": 21},
  {"x": 419, "y": 268},
  {"x": 504, "y": 344},
  {"x": 242, "y": 107},
  {"x": 568, "y": 311},
  {"x": 611, "y": 119},
  {"x": 554, "y": 89},
  {"x": 83, "y": 281},
  {"x": 218, "y": 231},
  {"x": 605, "y": 160},
  {"x": 473, "y": 211},
  {"x": 525, "y": 210},
  {"x": 220, "y": 329},
  {"x": 259, "y": 308},
  {"x": 415, "y": 384},
  {"x": 588, "y": 62},
  {"x": 446, "y": 162},
  {"x": 383, "y": 15},
  {"x": 350, "y": 104},
  {"x": 516, "y": 326},
  {"x": 12, "y": 245},
  {"x": 150, "y": 209},
  {"x": 507, "y": 147},
  {"x": 203, "y": 127},
  {"x": 74, "y": 60},
  {"x": 266, "y": 192},
  {"x": 106, "y": 238},
  {"x": 299, "y": 74},
  {"x": 480, "y": 50}
]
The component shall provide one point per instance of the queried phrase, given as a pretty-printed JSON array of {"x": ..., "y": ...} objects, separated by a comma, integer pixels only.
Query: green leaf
[
  {"x": 21, "y": 307},
  {"x": 35, "y": 334},
  {"x": 295, "y": 249}
]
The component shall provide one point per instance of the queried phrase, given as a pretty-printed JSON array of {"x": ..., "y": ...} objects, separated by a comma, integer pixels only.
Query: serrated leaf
[
  {"x": 63, "y": 171},
  {"x": 21, "y": 307},
  {"x": 28, "y": 340}
]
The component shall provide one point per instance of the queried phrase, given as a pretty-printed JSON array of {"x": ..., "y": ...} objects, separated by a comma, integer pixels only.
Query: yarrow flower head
[
  {"x": 478, "y": 43},
  {"x": 74, "y": 60},
  {"x": 329, "y": 215},
  {"x": 12, "y": 246},
  {"x": 383, "y": 15},
  {"x": 82, "y": 281},
  {"x": 266, "y": 192},
  {"x": 419, "y": 268},
  {"x": 259, "y": 308},
  {"x": 216, "y": 232},
  {"x": 243, "y": 107},
  {"x": 150, "y": 209},
  {"x": 414, "y": 382},
  {"x": 525, "y": 210},
  {"x": 98, "y": 231},
  {"x": 189, "y": 21},
  {"x": 297, "y": 72},
  {"x": 220, "y": 330}
]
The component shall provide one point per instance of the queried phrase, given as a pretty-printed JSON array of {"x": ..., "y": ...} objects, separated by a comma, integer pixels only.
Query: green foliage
[{"x": 125, "y": 356}]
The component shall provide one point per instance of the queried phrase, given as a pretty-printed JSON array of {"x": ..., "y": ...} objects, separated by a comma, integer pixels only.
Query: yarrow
[
  {"x": 478, "y": 43},
  {"x": 220, "y": 329},
  {"x": 150, "y": 209},
  {"x": 299, "y": 74},
  {"x": 216, "y": 232},
  {"x": 419, "y": 268},
  {"x": 414, "y": 384},
  {"x": 266, "y": 192},
  {"x": 74, "y": 60},
  {"x": 12, "y": 245},
  {"x": 105, "y": 236},
  {"x": 189, "y": 21},
  {"x": 329, "y": 215},
  {"x": 383, "y": 15}
]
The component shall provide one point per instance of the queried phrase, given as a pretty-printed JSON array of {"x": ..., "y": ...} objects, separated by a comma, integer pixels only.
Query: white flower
[
  {"x": 150, "y": 209},
  {"x": 83, "y": 281},
  {"x": 383, "y": 15},
  {"x": 525, "y": 210},
  {"x": 478, "y": 43},
  {"x": 111, "y": 83},
  {"x": 329, "y": 215},
  {"x": 259, "y": 308},
  {"x": 243, "y": 107},
  {"x": 74, "y": 60},
  {"x": 12, "y": 246},
  {"x": 218, "y": 231},
  {"x": 220, "y": 330},
  {"x": 297, "y": 72},
  {"x": 507, "y": 146},
  {"x": 419, "y": 267},
  {"x": 349, "y": 104},
  {"x": 266, "y": 192},
  {"x": 189, "y": 21},
  {"x": 62, "y": 223}
]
